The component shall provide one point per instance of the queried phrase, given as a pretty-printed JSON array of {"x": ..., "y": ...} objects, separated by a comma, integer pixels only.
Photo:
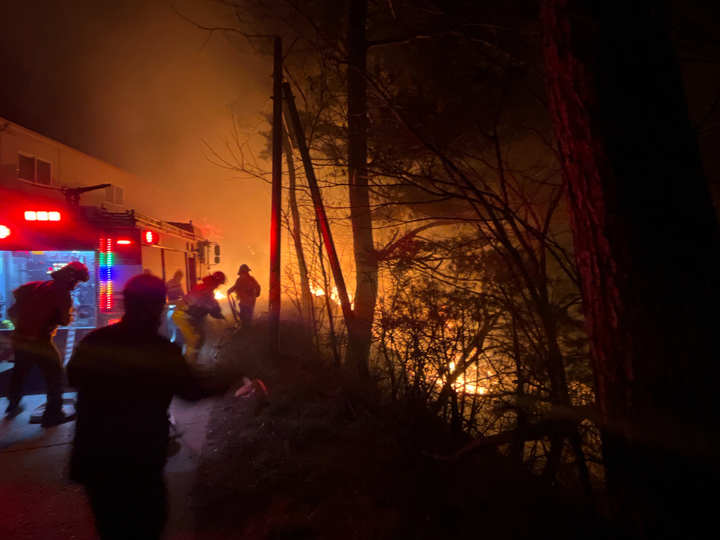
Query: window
[
  {"x": 114, "y": 194},
  {"x": 26, "y": 167},
  {"x": 42, "y": 172},
  {"x": 34, "y": 169}
]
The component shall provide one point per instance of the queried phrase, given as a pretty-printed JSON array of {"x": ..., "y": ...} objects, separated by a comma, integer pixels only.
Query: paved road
[{"x": 38, "y": 503}]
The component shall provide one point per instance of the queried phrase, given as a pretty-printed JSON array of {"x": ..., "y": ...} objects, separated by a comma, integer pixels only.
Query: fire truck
[{"x": 40, "y": 234}]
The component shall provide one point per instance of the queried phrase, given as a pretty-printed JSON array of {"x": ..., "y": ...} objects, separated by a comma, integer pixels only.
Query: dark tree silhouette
[
  {"x": 648, "y": 250},
  {"x": 366, "y": 264}
]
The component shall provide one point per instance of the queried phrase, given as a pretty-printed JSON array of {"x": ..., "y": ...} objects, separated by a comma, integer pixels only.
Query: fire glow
[
  {"x": 461, "y": 384},
  {"x": 334, "y": 295}
]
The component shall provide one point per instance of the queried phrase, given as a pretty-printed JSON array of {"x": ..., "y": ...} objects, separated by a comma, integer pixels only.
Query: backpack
[{"x": 21, "y": 295}]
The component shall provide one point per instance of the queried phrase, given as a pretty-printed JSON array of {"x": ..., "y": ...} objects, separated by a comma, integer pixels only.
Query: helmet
[
  {"x": 79, "y": 271},
  {"x": 243, "y": 268},
  {"x": 218, "y": 277},
  {"x": 73, "y": 270}
]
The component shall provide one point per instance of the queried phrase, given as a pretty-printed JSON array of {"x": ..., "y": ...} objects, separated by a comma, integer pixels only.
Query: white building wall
[{"x": 70, "y": 168}]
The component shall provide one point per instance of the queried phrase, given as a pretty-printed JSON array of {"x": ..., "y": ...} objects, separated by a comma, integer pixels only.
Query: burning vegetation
[
  {"x": 431, "y": 135},
  {"x": 502, "y": 253},
  {"x": 465, "y": 294}
]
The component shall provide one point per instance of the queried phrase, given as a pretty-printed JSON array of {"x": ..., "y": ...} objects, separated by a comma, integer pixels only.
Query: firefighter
[
  {"x": 40, "y": 307},
  {"x": 247, "y": 290},
  {"x": 126, "y": 375},
  {"x": 191, "y": 311},
  {"x": 174, "y": 294},
  {"x": 174, "y": 287}
]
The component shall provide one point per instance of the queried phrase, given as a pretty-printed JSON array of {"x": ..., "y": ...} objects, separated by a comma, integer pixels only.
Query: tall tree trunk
[
  {"x": 307, "y": 309},
  {"x": 366, "y": 264},
  {"x": 647, "y": 246},
  {"x": 328, "y": 301},
  {"x": 517, "y": 450}
]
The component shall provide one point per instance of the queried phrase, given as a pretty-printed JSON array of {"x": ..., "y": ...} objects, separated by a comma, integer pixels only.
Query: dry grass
[{"x": 320, "y": 461}]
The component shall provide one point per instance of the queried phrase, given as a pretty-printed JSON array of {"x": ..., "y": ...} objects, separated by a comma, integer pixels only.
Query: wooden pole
[
  {"x": 275, "y": 228},
  {"x": 307, "y": 309},
  {"x": 319, "y": 207}
]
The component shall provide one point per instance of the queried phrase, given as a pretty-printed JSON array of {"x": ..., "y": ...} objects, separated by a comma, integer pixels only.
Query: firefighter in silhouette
[
  {"x": 40, "y": 307},
  {"x": 247, "y": 290},
  {"x": 126, "y": 375},
  {"x": 174, "y": 287},
  {"x": 191, "y": 311},
  {"x": 174, "y": 294}
]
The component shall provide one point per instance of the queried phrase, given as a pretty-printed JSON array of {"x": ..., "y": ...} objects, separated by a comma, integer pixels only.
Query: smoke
[{"x": 134, "y": 84}]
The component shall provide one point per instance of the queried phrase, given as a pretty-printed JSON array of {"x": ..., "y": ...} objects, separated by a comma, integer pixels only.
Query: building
[{"x": 58, "y": 205}]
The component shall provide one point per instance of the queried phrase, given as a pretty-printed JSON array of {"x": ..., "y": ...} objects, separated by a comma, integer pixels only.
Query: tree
[
  {"x": 366, "y": 264},
  {"x": 647, "y": 246},
  {"x": 455, "y": 129}
]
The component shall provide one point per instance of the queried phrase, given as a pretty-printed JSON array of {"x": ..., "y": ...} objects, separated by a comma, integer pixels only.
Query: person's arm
[
  {"x": 234, "y": 288},
  {"x": 212, "y": 305},
  {"x": 257, "y": 288},
  {"x": 66, "y": 309},
  {"x": 216, "y": 311}
]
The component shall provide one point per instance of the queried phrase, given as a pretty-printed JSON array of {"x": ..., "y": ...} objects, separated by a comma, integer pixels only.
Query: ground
[
  {"x": 314, "y": 459},
  {"x": 320, "y": 459},
  {"x": 37, "y": 502}
]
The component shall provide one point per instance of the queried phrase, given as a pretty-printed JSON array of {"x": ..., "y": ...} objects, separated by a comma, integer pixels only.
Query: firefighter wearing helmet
[
  {"x": 191, "y": 311},
  {"x": 40, "y": 307},
  {"x": 247, "y": 290}
]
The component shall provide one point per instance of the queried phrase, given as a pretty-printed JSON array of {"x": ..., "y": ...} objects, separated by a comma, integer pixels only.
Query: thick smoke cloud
[{"x": 133, "y": 83}]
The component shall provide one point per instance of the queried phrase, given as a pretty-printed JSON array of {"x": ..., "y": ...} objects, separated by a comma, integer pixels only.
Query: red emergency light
[
  {"x": 42, "y": 215},
  {"x": 151, "y": 237},
  {"x": 4, "y": 232},
  {"x": 124, "y": 242}
]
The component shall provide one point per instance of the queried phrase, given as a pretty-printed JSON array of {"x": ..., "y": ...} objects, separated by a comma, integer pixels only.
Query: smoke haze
[{"x": 134, "y": 84}]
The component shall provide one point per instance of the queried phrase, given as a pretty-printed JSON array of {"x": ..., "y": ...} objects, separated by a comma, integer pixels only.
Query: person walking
[
  {"x": 190, "y": 313},
  {"x": 247, "y": 290},
  {"x": 40, "y": 307},
  {"x": 126, "y": 374},
  {"x": 174, "y": 287}
]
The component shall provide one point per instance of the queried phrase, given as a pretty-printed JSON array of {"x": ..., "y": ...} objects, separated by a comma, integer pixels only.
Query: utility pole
[
  {"x": 277, "y": 148},
  {"x": 319, "y": 207}
]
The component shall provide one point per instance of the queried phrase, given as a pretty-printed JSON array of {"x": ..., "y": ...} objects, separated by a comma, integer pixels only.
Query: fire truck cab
[
  {"x": 38, "y": 236},
  {"x": 43, "y": 227}
]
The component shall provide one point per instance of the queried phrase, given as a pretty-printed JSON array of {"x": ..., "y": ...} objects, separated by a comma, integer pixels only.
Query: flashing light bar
[
  {"x": 4, "y": 232},
  {"x": 151, "y": 237},
  {"x": 105, "y": 258},
  {"x": 124, "y": 242},
  {"x": 41, "y": 215}
]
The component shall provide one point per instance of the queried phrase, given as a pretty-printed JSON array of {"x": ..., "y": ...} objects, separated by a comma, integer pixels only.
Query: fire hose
[{"x": 233, "y": 307}]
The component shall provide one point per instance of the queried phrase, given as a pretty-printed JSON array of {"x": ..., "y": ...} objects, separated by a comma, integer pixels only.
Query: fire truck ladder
[{"x": 162, "y": 225}]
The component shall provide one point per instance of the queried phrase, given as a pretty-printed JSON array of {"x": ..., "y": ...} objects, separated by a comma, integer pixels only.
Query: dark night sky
[{"x": 132, "y": 83}]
